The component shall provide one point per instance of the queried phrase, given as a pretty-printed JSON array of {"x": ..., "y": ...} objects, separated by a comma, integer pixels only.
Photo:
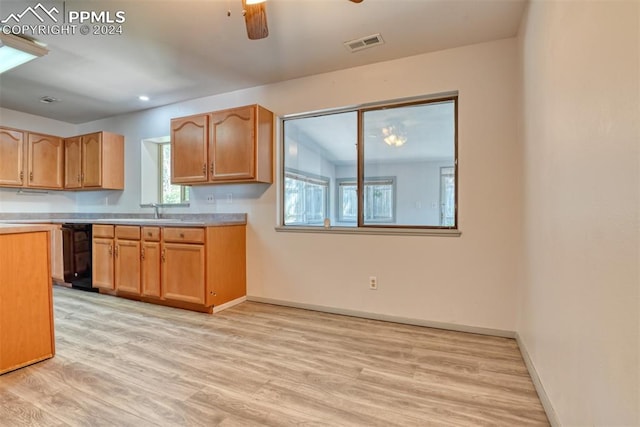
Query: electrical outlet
[
  {"x": 373, "y": 283},
  {"x": 211, "y": 199}
]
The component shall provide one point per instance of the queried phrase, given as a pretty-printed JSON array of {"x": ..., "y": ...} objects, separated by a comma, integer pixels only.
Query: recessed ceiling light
[{"x": 143, "y": 98}]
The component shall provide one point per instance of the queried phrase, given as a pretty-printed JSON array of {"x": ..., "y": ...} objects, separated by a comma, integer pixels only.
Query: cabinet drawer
[
  {"x": 183, "y": 235},
  {"x": 129, "y": 232},
  {"x": 103, "y": 231},
  {"x": 151, "y": 234}
]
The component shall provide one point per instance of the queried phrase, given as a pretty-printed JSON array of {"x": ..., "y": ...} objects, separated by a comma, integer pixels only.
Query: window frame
[
  {"x": 376, "y": 180},
  {"x": 184, "y": 197},
  {"x": 378, "y": 227},
  {"x": 313, "y": 179}
]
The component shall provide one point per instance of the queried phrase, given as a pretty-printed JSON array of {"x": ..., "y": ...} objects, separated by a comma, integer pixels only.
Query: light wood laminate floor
[{"x": 126, "y": 363}]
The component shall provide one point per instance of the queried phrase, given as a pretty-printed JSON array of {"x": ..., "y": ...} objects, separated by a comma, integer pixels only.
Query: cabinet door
[
  {"x": 46, "y": 159},
  {"x": 151, "y": 269},
  {"x": 11, "y": 157},
  {"x": 92, "y": 160},
  {"x": 232, "y": 149},
  {"x": 73, "y": 162},
  {"x": 127, "y": 265},
  {"x": 183, "y": 272},
  {"x": 102, "y": 263},
  {"x": 189, "y": 142},
  {"x": 26, "y": 319}
]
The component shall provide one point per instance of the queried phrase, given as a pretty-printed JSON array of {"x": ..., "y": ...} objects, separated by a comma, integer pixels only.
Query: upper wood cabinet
[
  {"x": 94, "y": 161},
  {"x": 189, "y": 142},
  {"x": 73, "y": 163},
  {"x": 234, "y": 145},
  {"x": 45, "y": 154},
  {"x": 29, "y": 159},
  {"x": 11, "y": 157}
]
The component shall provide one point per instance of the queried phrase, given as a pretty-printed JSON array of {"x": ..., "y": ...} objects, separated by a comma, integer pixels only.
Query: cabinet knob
[
  {"x": 182, "y": 235},
  {"x": 149, "y": 234}
]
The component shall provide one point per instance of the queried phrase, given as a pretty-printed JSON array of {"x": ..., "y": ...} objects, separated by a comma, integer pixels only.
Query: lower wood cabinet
[
  {"x": 188, "y": 267},
  {"x": 102, "y": 257},
  {"x": 127, "y": 260},
  {"x": 183, "y": 272},
  {"x": 150, "y": 257}
]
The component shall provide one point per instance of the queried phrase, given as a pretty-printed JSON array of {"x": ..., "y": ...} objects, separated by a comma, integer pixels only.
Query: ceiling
[
  {"x": 429, "y": 131},
  {"x": 174, "y": 50}
]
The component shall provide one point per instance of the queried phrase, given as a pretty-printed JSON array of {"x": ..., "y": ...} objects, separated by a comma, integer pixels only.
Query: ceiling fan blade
[{"x": 255, "y": 16}]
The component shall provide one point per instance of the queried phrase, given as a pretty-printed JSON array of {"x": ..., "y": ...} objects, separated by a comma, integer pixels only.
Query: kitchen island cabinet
[{"x": 26, "y": 309}]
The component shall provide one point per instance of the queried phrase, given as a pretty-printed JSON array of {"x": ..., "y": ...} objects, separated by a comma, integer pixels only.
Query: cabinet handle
[
  {"x": 31, "y": 176},
  {"x": 211, "y": 173},
  {"x": 204, "y": 169},
  {"x": 163, "y": 257},
  {"x": 110, "y": 250},
  {"x": 117, "y": 246},
  {"x": 21, "y": 176},
  {"x": 78, "y": 178},
  {"x": 82, "y": 177},
  {"x": 142, "y": 254}
]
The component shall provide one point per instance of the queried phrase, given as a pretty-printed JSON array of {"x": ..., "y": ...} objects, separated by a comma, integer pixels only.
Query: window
[
  {"x": 379, "y": 200},
  {"x": 383, "y": 165},
  {"x": 307, "y": 198},
  {"x": 169, "y": 193}
]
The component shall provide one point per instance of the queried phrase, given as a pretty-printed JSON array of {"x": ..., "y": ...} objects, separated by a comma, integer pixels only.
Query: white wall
[
  {"x": 579, "y": 303},
  {"x": 58, "y": 201},
  {"x": 469, "y": 280}
]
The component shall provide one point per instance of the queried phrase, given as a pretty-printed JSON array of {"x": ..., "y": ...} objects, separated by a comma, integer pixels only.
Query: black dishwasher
[{"x": 76, "y": 249}]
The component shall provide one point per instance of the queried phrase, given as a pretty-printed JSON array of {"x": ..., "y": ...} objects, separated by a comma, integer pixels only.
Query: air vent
[
  {"x": 48, "y": 99},
  {"x": 364, "y": 42}
]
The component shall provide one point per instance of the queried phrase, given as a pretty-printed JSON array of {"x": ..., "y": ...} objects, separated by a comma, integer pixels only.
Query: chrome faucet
[{"x": 156, "y": 213}]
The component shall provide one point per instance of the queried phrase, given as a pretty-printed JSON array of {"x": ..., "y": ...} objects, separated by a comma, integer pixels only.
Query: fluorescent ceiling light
[
  {"x": 143, "y": 98},
  {"x": 16, "y": 50},
  {"x": 254, "y": 1}
]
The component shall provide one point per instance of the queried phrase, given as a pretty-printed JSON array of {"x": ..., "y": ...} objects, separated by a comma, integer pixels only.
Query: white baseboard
[
  {"x": 542, "y": 394},
  {"x": 388, "y": 318},
  {"x": 219, "y": 308}
]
